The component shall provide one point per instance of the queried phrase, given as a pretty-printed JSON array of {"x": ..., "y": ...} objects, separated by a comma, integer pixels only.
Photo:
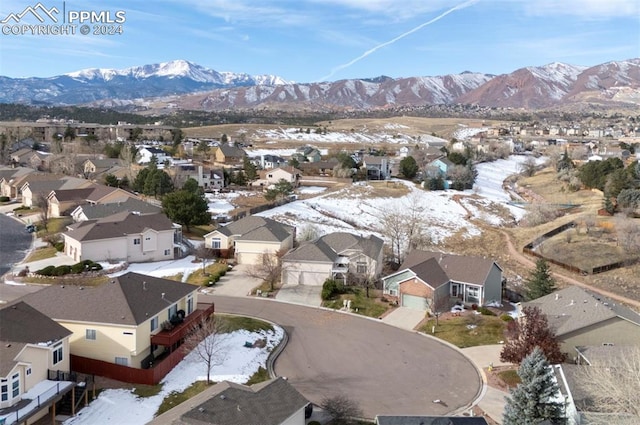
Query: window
[
  {"x": 154, "y": 323},
  {"x": 122, "y": 361},
  {"x": 147, "y": 238},
  {"x": 136, "y": 241},
  {"x": 4, "y": 390},
  {"x": 57, "y": 353},
  {"x": 393, "y": 292},
  {"x": 189, "y": 304},
  {"x": 15, "y": 385},
  {"x": 167, "y": 252},
  {"x": 28, "y": 372},
  {"x": 473, "y": 294},
  {"x": 173, "y": 310},
  {"x": 215, "y": 243},
  {"x": 361, "y": 267},
  {"x": 90, "y": 334}
]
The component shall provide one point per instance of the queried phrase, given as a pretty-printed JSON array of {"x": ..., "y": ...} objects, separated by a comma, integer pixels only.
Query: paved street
[
  {"x": 386, "y": 369},
  {"x": 300, "y": 294},
  {"x": 14, "y": 242}
]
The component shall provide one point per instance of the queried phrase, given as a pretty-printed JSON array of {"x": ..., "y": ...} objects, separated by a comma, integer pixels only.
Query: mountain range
[{"x": 185, "y": 85}]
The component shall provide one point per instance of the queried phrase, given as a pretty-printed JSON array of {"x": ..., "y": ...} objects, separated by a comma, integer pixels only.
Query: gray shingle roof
[
  {"x": 328, "y": 247},
  {"x": 268, "y": 403},
  {"x": 316, "y": 251},
  {"x": 129, "y": 299},
  {"x": 251, "y": 223},
  {"x": 21, "y": 325},
  {"x": 63, "y": 195},
  {"x": 232, "y": 151},
  {"x": 576, "y": 308},
  {"x": 430, "y": 272},
  {"x": 117, "y": 225},
  {"x": 459, "y": 268},
  {"x": 131, "y": 204},
  {"x": 431, "y": 420}
]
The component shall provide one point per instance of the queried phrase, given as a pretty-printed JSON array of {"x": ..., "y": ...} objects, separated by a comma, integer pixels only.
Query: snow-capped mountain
[
  {"x": 87, "y": 85},
  {"x": 192, "y": 86}
]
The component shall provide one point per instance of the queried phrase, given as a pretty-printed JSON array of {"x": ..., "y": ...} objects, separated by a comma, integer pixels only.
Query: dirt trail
[{"x": 522, "y": 259}]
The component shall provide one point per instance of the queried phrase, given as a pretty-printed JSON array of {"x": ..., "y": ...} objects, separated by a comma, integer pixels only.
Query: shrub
[
  {"x": 223, "y": 272},
  {"x": 61, "y": 270},
  {"x": 4, "y": 199},
  {"x": 506, "y": 318},
  {"x": 59, "y": 246},
  {"x": 47, "y": 271},
  {"x": 485, "y": 311},
  {"x": 77, "y": 268},
  {"x": 95, "y": 266},
  {"x": 329, "y": 289}
]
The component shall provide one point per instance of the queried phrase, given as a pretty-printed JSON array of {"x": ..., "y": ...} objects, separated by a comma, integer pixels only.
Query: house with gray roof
[
  {"x": 583, "y": 318},
  {"x": 63, "y": 201},
  {"x": 377, "y": 167},
  {"x": 133, "y": 321},
  {"x": 31, "y": 345},
  {"x": 124, "y": 236},
  {"x": 249, "y": 238},
  {"x": 8, "y": 175},
  {"x": 229, "y": 154},
  {"x": 273, "y": 402},
  {"x": 430, "y": 420},
  {"x": 94, "y": 211},
  {"x": 338, "y": 255},
  {"x": 434, "y": 281},
  {"x": 37, "y": 186}
]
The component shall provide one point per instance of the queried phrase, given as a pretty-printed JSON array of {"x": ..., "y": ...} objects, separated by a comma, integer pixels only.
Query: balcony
[{"x": 180, "y": 331}]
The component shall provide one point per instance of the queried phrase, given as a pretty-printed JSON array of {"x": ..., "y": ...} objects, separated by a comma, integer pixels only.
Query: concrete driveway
[
  {"x": 385, "y": 369},
  {"x": 404, "y": 317},
  {"x": 300, "y": 294},
  {"x": 235, "y": 283}
]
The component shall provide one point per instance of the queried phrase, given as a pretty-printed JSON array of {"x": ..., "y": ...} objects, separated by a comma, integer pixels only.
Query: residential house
[
  {"x": 35, "y": 188},
  {"x": 273, "y": 402},
  {"x": 229, "y": 155},
  {"x": 439, "y": 166},
  {"x": 272, "y": 176},
  {"x": 322, "y": 168},
  {"x": 145, "y": 154},
  {"x": 249, "y": 238},
  {"x": 270, "y": 161},
  {"x": 378, "y": 167},
  {"x": 208, "y": 179},
  {"x": 32, "y": 348},
  {"x": 94, "y": 211},
  {"x": 7, "y": 177},
  {"x": 307, "y": 154},
  {"x": 336, "y": 255},
  {"x": 21, "y": 156},
  {"x": 125, "y": 236},
  {"x": 63, "y": 201},
  {"x": 129, "y": 328},
  {"x": 582, "y": 318},
  {"x": 434, "y": 281},
  {"x": 430, "y": 420},
  {"x": 94, "y": 169}
]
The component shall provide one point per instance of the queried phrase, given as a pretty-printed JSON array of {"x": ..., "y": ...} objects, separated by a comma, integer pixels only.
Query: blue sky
[{"x": 311, "y": 40}]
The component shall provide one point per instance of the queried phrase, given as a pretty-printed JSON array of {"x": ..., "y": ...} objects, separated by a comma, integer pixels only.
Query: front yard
[
  {"x": 360, "y": 304},
  {"x": 468, "y": 330}
]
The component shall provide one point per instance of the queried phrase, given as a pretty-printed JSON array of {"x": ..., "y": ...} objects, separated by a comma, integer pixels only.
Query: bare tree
[
  {"x": 341, "y": 409},
  {"x": 208, "y": 341},
  {"x": 42, "y": 203},
  {"x": 309, "y": 232},
  {"x": 612, "y": 386},
  {"x": 628, "y": 233},
  {"x": 269, "y": 268},
  {"x": 391, "y": 223},
  {"x": 528, "y": 167},
  {"x": 405, "y": 227},
  {"x": 589, "y": 223}
]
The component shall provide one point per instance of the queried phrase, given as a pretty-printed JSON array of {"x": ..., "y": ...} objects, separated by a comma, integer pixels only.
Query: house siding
[
  {"x": 493, "y": 286},
  {"x": 110, "y": 342},
  {"x": 225, "y": 241},
  {"x": 415, "y": 287},
  {"x": 250, "y": 252},
  {"x": 615, "y": 331}
]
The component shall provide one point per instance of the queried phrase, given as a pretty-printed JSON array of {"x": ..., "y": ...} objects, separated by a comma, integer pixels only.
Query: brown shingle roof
[
  {"x": 63, "y": 195},
  {"x": 129, "y": 299},
  {"x": 21, "y": 325},
  {"x": 119, "y": 224},
  {"x": 459, "y": 268}
]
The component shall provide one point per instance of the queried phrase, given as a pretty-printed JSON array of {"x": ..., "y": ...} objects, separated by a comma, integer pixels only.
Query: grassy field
[
  {"x": 460, "y": 331},
  {"x": 41, "y": 254},
  {"x": 360, "y": 304},
  {"x": 200, "y": 277},
  {"x": 232, "y": 323}
]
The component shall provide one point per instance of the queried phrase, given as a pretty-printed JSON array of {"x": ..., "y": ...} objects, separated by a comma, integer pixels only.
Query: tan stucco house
[
  {"x": 336, "y": 255},
  {"x": 229, "y": 154},
  {"x": 34, "y": 188},
  {"x": 272, "y": 176},
  {"x": 64, "y": 201},
  {"x": 123, "y": 322},
  {"x": 34, "y": 350},
  {"x": 433, "y": 281},
  {"x": 582, "y": 318},
  {"x": 249, "y": 238},
  {"x": 127, "y": 236}
]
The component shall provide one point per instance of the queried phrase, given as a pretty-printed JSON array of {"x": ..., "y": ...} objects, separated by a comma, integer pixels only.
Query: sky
[{"x": 323, "y": 40}]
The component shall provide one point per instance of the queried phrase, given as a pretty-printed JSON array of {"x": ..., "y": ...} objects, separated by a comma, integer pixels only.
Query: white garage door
[
  {"x": 412, "y": 301},
  {"x": 312, "y": 279},
  {"x": 248, "y": 258}
]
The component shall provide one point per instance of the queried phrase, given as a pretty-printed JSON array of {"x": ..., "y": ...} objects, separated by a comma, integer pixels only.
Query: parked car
[{"x": 30, "y": 228}]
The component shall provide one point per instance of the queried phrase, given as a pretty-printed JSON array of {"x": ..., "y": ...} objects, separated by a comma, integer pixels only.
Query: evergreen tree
[
  {"x": 540, "y": 282},
  {"x": 565, "y": 162},
  {"x": 436, "y": 183},
  {"x": 111, "y": 180},
  {"x": 141, "y": 177},
  {"x": 534, "y": 399},
  {"x": 249, "y": 169},
  {"x": 408, "y": 167},
  {"x": 191, "y": 185},
  {"x": 186, "y": 208}
]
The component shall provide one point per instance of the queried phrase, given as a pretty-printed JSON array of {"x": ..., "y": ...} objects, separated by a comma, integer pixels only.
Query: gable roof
[
  {"x": 460, "y": 268},
  {"x": 251, "y": 223},
  {"x": 63, "y": 195},
  {"x": 430, "y": 420},
  {"x": 104, "y": 164},
  {"x": 317, "y": 251},
  {"x": 374, "y": 160},
  {"x": 95, "y": 211},
  {"x": 154, "y": 151},
  {"x": 329, "y": 246},
  {"x": 574, "y": 308},
  {"x": 118, "y": 225},
  {"x": 267, "y": 403},
  {"x": 430, "y": 272},
  {"x": 232, "y": 151},
  {"x": 21, "y": 325},
  {"x": 9, "y": 173},
  {"x": 130, "y": 299}
]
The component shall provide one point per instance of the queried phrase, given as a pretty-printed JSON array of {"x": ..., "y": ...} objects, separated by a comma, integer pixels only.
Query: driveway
[
  {"x": 235, "y": 283},
  {"x": 404, "y": 317},
  {"x": 385, "y": 369},
  {"x": 300, "y": 294}
]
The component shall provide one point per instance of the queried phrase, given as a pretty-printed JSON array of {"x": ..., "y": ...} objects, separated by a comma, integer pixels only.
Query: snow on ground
[
  {"x": 184, "y": 265},
  {"x": 464, "y": 133},
  {"x": 361, "y": 136},
  {"x": 311, "y": 190},
  {"x": 120, "y": 406}
]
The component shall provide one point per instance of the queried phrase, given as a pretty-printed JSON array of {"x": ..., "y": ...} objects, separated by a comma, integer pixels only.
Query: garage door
[
  {"x": 248, "y": 258},
  {"x": 312, "y": 279},
  {"x": 412, "y": 301}
]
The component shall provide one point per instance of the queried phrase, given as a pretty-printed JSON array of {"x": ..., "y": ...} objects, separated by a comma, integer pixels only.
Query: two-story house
[
  {"x": 129, "y": 328},
  {"x": 274, "y": 175},
  {"x": 377, "y": 167},
  {"x": 127, "y": 236},
  {"x": 336, "y": 255},
  {"x": 229, "y": 155}
]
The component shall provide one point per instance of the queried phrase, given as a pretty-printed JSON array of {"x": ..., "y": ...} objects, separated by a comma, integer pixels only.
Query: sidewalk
[{"x": 492, "y": 402}]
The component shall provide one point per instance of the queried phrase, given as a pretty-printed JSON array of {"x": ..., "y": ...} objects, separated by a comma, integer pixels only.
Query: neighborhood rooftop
[
  {"x": 122, "y": 223},
  {"x": 460, "y": 268}
]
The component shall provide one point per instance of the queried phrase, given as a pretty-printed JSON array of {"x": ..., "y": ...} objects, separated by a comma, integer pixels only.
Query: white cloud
[{"x": 588, "y": 9}]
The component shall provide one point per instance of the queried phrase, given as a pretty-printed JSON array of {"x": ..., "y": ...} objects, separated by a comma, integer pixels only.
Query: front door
[{"x": 454, "y": 290}]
